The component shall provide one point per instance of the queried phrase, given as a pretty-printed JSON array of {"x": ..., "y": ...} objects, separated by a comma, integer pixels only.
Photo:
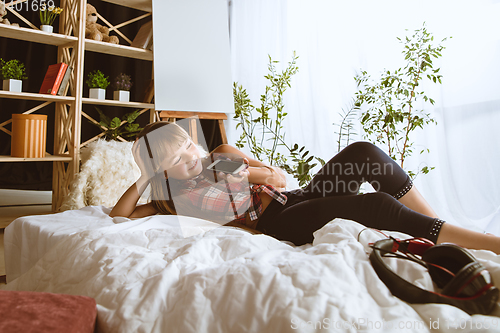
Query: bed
[{"x": 181, "y": 274}]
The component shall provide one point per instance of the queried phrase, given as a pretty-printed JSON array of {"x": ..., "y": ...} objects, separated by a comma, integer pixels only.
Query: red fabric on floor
[{"x": 25, "y": 311}]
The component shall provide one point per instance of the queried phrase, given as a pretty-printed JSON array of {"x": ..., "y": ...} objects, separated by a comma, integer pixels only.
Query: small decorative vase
[
  {"x": 121, "y": 95},
  {"x": 47, "y": 28},
  {"x": 13, "y": 85},
  {"x": 97, "y": 93},
  {"x": 29, "y": 135}
]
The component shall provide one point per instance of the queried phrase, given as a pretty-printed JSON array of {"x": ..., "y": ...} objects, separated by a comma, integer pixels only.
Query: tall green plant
[
  {"x": 346, "y": 126},
  {"x": 262, "y": 127},
  {"x": 391, "y": 101}
]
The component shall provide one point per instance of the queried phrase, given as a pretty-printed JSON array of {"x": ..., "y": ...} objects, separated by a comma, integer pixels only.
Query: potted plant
[
  {"x": 122, "y": 84},
  {"x": 116, "y": 128},
  {"x": 266, "y": 124},
  {"x": 97, "y": 83},
  {"x": 48, "y": 16},
  {"x": 12, "y": 73},
  {"x": 393, "y": 101}
]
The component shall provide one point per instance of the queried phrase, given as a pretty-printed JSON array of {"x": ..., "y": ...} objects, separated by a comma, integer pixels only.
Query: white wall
[{"x": 192, "y": 69}]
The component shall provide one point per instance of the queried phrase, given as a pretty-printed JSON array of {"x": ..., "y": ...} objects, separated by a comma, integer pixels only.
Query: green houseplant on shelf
[
  {"x": 48, "y": 15},
  {"x": 12, "y": 72},
  {"x": 122, "y": 85},
  {"x": 117, "y": 128},
  {"x": 97, "y": 83}
]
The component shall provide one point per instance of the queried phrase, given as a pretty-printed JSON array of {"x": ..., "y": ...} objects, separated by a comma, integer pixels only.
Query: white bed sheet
[
  {"x": 161, "y": 274},
  {"x": 28, "y": 238}
]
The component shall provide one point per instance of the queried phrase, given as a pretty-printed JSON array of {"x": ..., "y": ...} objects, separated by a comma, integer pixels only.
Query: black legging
[{"x": 333, "y": 192}]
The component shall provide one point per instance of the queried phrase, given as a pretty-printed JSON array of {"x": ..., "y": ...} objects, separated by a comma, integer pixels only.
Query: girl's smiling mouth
[{"x": 194, "y": 164}]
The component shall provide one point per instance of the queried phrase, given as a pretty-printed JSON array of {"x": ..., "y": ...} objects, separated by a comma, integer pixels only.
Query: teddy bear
[
  {"x": 3, "y": 13},
  {"x": 94, "y": 30}
]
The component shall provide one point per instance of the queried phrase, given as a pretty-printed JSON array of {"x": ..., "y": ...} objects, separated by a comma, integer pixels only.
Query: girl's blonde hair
[{"x": 161, "y": 139}]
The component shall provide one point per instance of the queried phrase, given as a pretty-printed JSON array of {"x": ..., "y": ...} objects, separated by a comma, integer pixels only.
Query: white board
[{"x": 192, "y": 69}]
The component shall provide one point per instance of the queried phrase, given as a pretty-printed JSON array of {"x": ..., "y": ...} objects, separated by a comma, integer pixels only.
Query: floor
[{"x": 16, "y": 203}]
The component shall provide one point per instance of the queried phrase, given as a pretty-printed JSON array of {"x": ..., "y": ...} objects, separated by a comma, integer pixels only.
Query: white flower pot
[
  {"x": 13, "y": 85},
  {"x": 47, "y": 28},
  {"x": 97, "y": 93},
  {"x": 121, "y": 95}
]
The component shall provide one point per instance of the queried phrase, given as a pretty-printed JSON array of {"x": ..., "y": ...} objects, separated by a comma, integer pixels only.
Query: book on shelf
[
  {"x": 144, "y": 36},
  {"x": 53, "y": 78},
  {"x": 65, "y": 81}
]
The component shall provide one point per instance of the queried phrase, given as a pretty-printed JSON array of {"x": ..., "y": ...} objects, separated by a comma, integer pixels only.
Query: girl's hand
[
  {"x": 236, "y": 178},
  {"x": 147, "y": 171}
]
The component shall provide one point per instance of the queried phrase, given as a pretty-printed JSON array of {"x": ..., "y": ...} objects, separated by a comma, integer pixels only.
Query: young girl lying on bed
[{"x": 169, "y": 160}]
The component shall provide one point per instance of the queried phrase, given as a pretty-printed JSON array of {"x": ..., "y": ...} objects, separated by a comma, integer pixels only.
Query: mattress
[
  {"x": 28, "y": 238},
  {"x": 167, "y": 273}
]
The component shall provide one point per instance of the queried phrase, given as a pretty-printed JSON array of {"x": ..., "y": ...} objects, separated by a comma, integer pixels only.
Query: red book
[{"x": 53, "y": 78}]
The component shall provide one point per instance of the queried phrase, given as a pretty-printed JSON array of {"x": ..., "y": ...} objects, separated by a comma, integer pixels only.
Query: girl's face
[{"x": 185, "y": 162}]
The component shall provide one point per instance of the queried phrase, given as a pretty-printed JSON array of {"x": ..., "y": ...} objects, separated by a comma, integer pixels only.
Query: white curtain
[{"x": 335, "y": 39}]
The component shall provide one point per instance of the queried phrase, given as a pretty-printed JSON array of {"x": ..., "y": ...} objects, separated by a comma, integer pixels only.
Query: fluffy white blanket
[
  {"x": 108, "y": 169},
  {"x": 160, "y": 274}
]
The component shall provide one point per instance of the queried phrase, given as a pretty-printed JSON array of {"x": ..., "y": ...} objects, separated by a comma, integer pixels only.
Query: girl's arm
[
  {"x": 259, "y": 172},
  {"x": 242, "y": 226},
  {"x": 127, "y": 205}
]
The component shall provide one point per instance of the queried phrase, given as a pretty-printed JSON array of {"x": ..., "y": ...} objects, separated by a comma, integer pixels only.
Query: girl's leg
[
  {"x": 467, "y": 238},
  {"x": 298, "y": 222},
  {"x": 358, "y": 163},
  {"x": 415, "y": 201},
  {"x": 364, "y": 162}
]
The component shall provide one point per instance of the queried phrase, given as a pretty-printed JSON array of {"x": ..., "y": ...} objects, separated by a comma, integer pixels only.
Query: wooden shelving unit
[{"x": 72, "y": 46}]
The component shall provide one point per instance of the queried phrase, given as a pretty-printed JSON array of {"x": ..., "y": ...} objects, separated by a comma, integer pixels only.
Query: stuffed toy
[
  {"x": 3, "y": 13},
  {"x": 94, "y": 30}
]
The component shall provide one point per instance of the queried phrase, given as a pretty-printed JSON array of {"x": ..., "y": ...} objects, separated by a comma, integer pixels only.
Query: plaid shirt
[{"x": 225, "y": 202}]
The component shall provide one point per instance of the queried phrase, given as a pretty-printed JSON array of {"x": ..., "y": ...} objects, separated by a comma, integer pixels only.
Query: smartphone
[{"x": 230, "y": 167}]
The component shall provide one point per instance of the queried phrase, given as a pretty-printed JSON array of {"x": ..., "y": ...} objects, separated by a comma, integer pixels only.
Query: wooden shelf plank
[
  {"x": 37, "y": 36},
  {"x": 47, "y": 158},
  {"x": 145, "y": 5},
  {"x": 188, "y": 114},
  {"x": 118, "y": 50},
  {"x": 111, "y": 102},
  {"x": 36, "y": 97}
]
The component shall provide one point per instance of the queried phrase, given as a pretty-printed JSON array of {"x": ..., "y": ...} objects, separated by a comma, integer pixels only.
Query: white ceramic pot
[
  {"x": 97, "y": 93},
  {"x": 13, "y": 85},
  {"x": 121, "y": 95},
  {"x": 47, "y": 28}
]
